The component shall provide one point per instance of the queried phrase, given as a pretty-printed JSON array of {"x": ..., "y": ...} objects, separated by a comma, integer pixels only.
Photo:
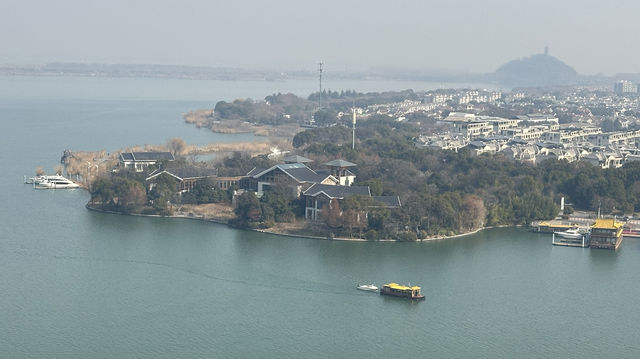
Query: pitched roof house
[
  {"x": 141, "y": 160},
  {"x": 295, "y": 175},
  {"x": 185, "y": 176},
  {"x": 319, "y": 196}
]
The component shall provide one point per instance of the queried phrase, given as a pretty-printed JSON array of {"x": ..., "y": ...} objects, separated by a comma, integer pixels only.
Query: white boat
[
  {"x": 368, "y": 287},
  {"x": 572, "y": 233},
  {"x": 34, "y": 179},
  {"x": 53, "y": 182}
]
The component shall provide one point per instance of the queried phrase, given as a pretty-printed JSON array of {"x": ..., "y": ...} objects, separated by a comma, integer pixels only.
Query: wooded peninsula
[{"x": 440, "y": 192}]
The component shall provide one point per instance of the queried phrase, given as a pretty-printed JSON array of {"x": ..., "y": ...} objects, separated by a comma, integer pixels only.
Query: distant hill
[{"x": 537, "y": 70}]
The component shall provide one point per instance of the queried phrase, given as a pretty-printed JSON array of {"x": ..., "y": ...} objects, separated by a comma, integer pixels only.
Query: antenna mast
[{"x": 320, "y": 93}]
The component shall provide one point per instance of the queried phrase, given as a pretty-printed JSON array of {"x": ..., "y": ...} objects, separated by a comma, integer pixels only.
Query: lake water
[{"x": 79, "y": 284}]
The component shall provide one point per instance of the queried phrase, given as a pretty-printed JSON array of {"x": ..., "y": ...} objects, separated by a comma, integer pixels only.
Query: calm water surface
[{"x": 78, "y": 284}]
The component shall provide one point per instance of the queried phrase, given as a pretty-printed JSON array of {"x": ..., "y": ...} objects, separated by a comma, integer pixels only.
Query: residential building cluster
[{"x": 598, "y": 125}]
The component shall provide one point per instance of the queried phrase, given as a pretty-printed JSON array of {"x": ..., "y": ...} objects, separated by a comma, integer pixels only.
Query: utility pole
[
  {"x": 320, "y": 93},
  {"x": 353, "y": 132}
]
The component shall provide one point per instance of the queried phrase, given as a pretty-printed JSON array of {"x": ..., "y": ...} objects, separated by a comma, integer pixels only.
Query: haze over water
[{"x": 79, "y": 284}]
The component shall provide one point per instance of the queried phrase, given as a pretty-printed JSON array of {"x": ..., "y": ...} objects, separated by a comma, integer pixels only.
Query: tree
[
  {"x": 117, "y": 193},
  {"x": 354, "y": 212},
  {"x": 279, "y": 200},
  {"x": 332, "y": 214},
  {"x": 176, "y": 146},
  {"x": 248, "y": 210},
  {"x": 473, "y": 212},
  {"x": 206, "y": 191},
  {"x": 325, "y": 117}
]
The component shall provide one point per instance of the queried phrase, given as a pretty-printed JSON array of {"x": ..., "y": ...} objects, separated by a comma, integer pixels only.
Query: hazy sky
[{"x": 475, "y": 36}]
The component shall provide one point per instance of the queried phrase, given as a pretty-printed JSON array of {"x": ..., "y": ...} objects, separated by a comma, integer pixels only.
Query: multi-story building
[
  {"x": 631, "y": 138},
  {"x": 570, "y": 135},
  {"x": 606, "y": 234},
  {"x": 623, "y": 86}
]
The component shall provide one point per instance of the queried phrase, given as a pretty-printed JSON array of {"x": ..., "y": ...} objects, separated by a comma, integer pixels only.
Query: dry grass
[
  {"x": 86, "y": 166},
  {"x": 202, "y": 118},
  {"x": 218, "y": 212}
]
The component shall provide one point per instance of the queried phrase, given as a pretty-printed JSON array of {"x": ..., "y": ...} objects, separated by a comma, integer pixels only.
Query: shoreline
[{"x": 266, "y": 231}]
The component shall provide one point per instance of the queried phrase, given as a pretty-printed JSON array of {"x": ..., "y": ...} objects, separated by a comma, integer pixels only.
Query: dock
[
  {"x": 600, "y": 233},
  {"x": 583, "y": 242}
]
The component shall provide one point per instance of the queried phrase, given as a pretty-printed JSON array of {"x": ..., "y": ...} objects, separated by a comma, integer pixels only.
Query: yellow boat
[{"x": 397, "y": 290}]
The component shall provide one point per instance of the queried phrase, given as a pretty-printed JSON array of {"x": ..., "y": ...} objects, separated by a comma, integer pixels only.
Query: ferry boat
[
  {"x": 368, "y": 287},
  {"x": 53, "y": 182},
  {"x": 397, "y": 290}
]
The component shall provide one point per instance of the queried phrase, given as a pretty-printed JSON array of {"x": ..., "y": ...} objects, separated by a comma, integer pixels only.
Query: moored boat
[
  {"x": 397, "y": 290},
  {"x": 573, "y": 233},
  {"x": 53, "y": 182},
  {"x": 368, "y": 287}
]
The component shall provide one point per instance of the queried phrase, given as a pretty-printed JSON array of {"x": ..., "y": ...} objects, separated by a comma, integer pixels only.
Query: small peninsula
[{"x": 411, "y": 166}]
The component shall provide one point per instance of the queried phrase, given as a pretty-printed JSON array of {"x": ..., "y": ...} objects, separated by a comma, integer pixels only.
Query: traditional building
[{"x": 606, "y": 233}]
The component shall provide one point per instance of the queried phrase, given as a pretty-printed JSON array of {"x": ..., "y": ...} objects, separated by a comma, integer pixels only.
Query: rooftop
[
  {"x": 339, "y": 163},
  {"x": 332, "y": 191},
  {"x": 147, "y": 156},
  {"x": 607, "y": 223},
  {"x": 296, "y": 159}
]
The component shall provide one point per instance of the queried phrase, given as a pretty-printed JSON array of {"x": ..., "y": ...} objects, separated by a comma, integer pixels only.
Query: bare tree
[
  {"x": 176, "y": 146},
  {"x": 472, "y": 213}
]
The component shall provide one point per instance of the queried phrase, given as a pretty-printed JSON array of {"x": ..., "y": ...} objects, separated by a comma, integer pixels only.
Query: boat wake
[{"x": 194, "y": 273}]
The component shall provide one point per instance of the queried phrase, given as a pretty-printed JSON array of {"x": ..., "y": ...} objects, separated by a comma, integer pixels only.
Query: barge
[{"x": 397, "y": 290}]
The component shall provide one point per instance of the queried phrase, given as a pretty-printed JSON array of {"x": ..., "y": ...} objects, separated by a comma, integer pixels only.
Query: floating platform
[{"x": 583, "y": 242}]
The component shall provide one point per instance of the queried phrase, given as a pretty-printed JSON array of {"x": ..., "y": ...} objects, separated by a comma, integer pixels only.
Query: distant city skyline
[{"x": 461, "y": 36}]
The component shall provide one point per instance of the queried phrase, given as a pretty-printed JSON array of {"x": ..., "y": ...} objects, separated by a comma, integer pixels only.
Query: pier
[{"x": 599, "y": 233}]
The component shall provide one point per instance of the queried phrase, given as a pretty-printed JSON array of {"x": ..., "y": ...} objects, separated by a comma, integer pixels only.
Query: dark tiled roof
[
  {"x": 296, "y": 159},
  {"x": 339, "y": 163},
  {"x": 297, "y": 171},
  {"x": 305, "y": 174},
  {"x": 254, "y": 171},
  {"x": 191, "y": 172},
  {"x": 153, "y": 156},
  {"x": 337, "y": 191},
  {"x": 183, "y": 173},
  {"x": 147, "y": 156},
  {"x": 388, "y": 201}
]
